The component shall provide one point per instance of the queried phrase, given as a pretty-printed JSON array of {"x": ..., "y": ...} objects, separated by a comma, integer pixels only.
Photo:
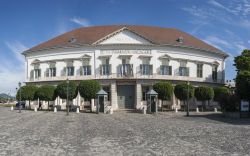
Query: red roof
[{"x": 157, "y": 35}]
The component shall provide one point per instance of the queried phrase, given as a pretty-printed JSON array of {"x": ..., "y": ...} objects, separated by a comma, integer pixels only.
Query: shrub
[
  {"x": 61, "y": 90},
  {"x": 164, "y": 90},
  {"x": 46, "y": 93},
  {"x": 184, "y": 91},
  {"x": 88, "y": 89},
  {"x": 204, "y": 93},
  {"x": 27, "y": 93}
]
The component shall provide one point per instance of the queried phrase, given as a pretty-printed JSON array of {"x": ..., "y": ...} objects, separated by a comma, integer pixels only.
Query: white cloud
[
  {"x": 16, "y": 48},
  {"x": 12, "y": 68},
  {"x": 217, "y": 42},
  {"x": 81, "y": 21}
]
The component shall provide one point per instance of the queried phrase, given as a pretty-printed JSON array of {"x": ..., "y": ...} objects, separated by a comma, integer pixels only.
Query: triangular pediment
[{"x": 123, "y": 36}]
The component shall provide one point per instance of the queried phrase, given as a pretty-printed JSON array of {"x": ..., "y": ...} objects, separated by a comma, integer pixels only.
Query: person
[{"x": 40, "y": 105}]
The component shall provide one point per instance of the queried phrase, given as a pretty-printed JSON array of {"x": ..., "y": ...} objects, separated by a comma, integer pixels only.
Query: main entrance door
[{"x": 125, "y": 96}]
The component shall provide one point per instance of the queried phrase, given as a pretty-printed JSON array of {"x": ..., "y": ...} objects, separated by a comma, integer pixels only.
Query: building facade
[{"x": 126, "y": 60}]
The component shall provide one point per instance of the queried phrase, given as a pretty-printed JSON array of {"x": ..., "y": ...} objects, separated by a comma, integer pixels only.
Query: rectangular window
[
  {"x": 37, "y": 73},
  {"x": 165, "y": 70},
  {"x": 52, "y": 72},
  {"x": 70, "y": 71},
  {"x": 105, "y": 69},
  {"x": 146, "y": 69},
  {"x": 183, "y": 71},
  {"x": 86, "y": 70},
  {"x": 200, "y": 70},
  {"x": 214, "y": 72}
]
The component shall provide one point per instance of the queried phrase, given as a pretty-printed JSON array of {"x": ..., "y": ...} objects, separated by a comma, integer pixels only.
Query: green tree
[
  {"x": 27, "y": 93},
  {"x": 204, "y": 93},
  {"x": 242, "y": 64},
  {"x": 46, "y": 93},
  {"x": 221, "y": 95},
  {"x": 89, "y": 88},
  {"x": 164, "y": 90},
  {"x": 61, "y": 90},
  {"x": 184, "y": 92}
]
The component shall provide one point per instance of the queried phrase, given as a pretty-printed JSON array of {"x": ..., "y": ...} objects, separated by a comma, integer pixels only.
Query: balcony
[{"x": 125, "y": 70}]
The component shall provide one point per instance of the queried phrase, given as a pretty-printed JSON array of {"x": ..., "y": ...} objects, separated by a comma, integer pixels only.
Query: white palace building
[{"x": 126, "y": 60}]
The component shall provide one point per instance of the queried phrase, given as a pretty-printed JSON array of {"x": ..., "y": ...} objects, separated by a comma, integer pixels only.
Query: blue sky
[{"x": 222, "y": 23}]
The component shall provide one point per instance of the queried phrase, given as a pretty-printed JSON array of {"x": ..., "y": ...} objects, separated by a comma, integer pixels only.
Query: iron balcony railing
[{"x": 125, "y": 70}]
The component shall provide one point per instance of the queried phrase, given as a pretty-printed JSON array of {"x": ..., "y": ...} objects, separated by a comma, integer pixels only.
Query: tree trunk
[{"x": 29, "y": 105}]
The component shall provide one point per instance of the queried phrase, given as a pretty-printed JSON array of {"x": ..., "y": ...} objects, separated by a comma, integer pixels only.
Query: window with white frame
[
  {"x": 86, "y": 70},
  {"x": 199, "y": 70},
  {"x": 37, "y": 73},
  {"x": 105, "y": 67},
  {"x": 146, "y": 68},
  {"x": 165, "y": 69},
  {"x": 183, "y": 69},
  {"x": 70, "y": 71},
  {"x": 214, "y": 72}
]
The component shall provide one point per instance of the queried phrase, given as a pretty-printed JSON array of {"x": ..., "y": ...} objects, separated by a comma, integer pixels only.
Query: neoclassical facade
[{"x": 127, "y": 60}]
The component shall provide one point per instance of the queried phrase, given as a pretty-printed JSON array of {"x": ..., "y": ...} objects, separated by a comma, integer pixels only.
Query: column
[
  {"x": 138, "y": 95},
  {"x": 78, "y": 99},
  {"x": 114, "y": 95}
]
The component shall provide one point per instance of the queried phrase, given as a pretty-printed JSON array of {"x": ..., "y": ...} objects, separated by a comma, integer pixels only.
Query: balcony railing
[
  {"x": 125, "y": 70},
  {"x": 135, "y": 76}
]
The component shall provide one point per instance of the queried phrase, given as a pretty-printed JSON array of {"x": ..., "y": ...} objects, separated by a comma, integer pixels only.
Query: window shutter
[
  {"x": 39, "y": 72},
  {"x": 89, "y": 70},
  {"x": 151, "y": 69},
  {"x": 110, "y": 71},
  {"x": 64, "y": 71},
  {"x": 101, "y": 70},
  {"x": 81, "y": 71},
  {"x": 47, "y": 72},
  {"x": 141, "y": 69},
  {"x": 187, "y": 71},
  {"x": 32, "y": 74},
  {"x": 170, "y": 70}
]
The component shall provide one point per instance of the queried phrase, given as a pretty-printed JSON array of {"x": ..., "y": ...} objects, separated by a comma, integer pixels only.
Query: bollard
[
  {"x": 176, "y": 110},
  {"x": 77, "y": 110},
  {"x": 215, "y": 110},
  {"x": 35, "y": 109},
  {"x": 55, "y": 109},
  {"x": 144, "y": 110},
  {"x": 11, "y": 108},
  {"x": 197, "y": 110},
  {"x": 111, "y": 111}
]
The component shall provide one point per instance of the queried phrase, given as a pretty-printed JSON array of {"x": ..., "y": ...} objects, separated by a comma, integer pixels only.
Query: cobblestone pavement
[{"x": 122, "y": 133}]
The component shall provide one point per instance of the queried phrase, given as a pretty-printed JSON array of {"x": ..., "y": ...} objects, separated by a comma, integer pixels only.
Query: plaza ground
[{"x": 122, "y": 133}]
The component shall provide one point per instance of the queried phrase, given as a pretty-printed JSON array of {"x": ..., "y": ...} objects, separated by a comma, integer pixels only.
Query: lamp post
[
  {"x": 20, "y": 96},
  {"x": 67, "y": 81},
  {"x": 187, "y": 98}
]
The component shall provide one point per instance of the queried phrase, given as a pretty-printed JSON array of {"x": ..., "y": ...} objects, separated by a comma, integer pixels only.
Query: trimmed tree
[
  {"x": 61, "y": 90},
  {"x": 164, "y": 90},
  {"x": 46, "y": 93},
  {"x": 89, "y": 88},
  {"x": 242, "y": 64},
  {"x": 220, "y": 95},
  {"x": 204, "y": 93},
  {"x": 28, "y": 92},
  {"x": 184, "y": 91}
]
